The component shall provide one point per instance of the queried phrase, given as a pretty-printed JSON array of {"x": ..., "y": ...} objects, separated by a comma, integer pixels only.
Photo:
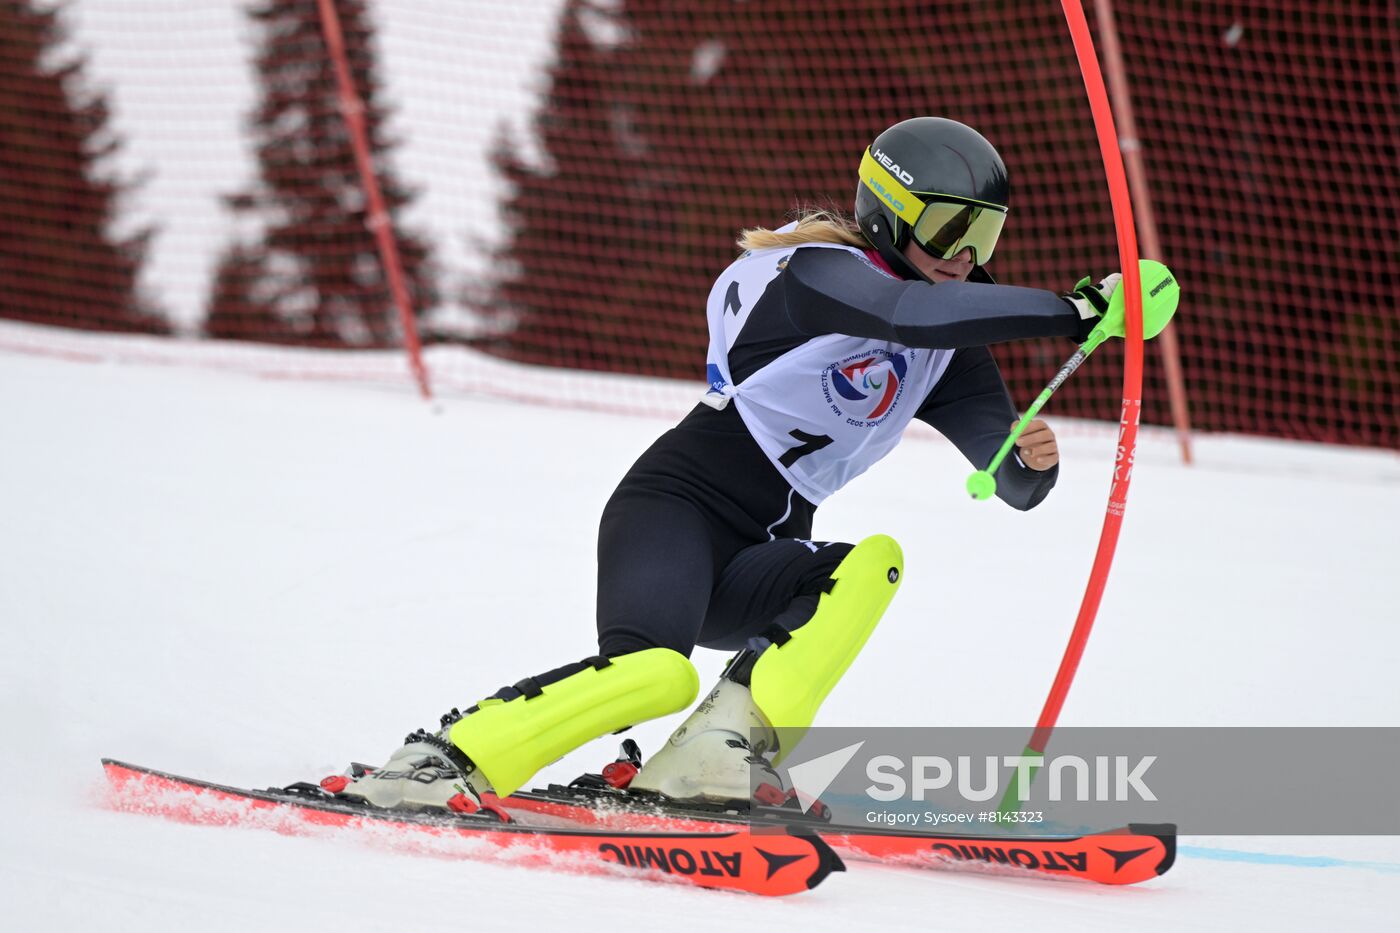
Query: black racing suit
[{"x": 704, "y": 542}]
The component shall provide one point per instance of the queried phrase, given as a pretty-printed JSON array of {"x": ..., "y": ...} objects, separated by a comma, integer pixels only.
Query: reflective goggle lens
[{"x": 946, "y": 228}]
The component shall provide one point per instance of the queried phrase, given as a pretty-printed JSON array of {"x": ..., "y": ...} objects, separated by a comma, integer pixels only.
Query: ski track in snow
[{"x": 254, "y": 582}]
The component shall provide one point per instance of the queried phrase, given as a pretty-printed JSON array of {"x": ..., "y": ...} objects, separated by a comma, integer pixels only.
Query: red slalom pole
[{"x": 1132, "y": 383}]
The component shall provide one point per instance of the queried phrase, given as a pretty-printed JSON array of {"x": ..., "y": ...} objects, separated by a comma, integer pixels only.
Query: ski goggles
[{"x": 943, "y": 225}]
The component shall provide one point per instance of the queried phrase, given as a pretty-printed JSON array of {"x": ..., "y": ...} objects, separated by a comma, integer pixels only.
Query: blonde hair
[{"x": 813, "y": 226}]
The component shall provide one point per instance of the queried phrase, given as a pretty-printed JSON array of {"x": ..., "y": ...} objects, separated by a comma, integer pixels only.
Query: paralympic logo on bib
[{"x": 873, "y": 381}]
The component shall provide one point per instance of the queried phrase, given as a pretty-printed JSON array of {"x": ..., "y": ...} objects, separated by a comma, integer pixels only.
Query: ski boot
[
  {"x": 427, "y": 773},
  {"x": 717, "y": 754}
]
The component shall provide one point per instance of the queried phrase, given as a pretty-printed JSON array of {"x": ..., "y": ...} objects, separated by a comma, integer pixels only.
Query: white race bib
[{"x": 825, "y": 411}]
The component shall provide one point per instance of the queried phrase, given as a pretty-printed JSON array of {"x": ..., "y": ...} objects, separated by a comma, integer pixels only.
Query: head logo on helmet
[
  {"x": 891, "y": 167},
  {"x": 936, "y": 182},
  {"x": 899, "y": 205}
]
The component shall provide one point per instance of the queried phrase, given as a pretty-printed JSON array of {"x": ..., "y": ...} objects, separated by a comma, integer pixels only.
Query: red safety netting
[{"x": 565, "y": 179}]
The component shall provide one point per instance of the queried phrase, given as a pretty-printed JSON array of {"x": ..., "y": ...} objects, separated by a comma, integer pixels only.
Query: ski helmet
[{"x": 937, "y": 182}]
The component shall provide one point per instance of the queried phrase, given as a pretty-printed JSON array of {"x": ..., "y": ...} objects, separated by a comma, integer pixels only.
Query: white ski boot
[
  {"x": 427, "y": 773},
  {"x": 717, "y": 755}
]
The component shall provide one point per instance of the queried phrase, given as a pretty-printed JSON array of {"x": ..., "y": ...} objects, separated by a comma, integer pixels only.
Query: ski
[
  {"x": 1129, "y": 855},
  {"x": 759, "y": 862}
]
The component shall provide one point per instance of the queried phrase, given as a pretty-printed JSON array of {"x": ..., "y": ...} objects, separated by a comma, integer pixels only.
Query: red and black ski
[
  {"x": 734, "y": 858},
  {"x": 1129, "y": 855}
]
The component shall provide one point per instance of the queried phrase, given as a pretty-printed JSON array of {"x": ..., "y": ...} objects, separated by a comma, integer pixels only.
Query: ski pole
[
  {"x": 983, "y": 483},
  {"x": 1160, "y": 295}
]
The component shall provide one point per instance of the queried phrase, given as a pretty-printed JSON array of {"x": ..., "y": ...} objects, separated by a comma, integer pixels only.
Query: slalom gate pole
[
  {"x": 352, "y": 110},
  {"x": 1132, "y": 388}
]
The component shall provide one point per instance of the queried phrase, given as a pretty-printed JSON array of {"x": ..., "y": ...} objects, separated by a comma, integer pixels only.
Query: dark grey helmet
[{"x": 929, "y": 156}]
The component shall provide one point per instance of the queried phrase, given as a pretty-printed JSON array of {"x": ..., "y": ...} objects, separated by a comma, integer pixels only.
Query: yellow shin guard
[
  {"x": 509, "y": 740},
  {"x": 789, "y": 680}
]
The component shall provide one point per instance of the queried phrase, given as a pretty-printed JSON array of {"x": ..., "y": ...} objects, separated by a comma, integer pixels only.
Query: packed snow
[{"x": 255, "y": 581}]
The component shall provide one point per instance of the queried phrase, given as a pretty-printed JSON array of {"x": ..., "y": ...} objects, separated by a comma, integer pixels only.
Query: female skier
[{"x": 827, "y": 337}]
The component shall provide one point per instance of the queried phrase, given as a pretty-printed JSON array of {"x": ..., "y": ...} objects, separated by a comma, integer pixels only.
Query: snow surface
[{"x": 255, "y": 581}]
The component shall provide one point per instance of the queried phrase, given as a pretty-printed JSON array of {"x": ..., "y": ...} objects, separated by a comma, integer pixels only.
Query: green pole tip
[
  {"x": 1160, "y": 296},
  {"x": 981, "y": 485}
]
